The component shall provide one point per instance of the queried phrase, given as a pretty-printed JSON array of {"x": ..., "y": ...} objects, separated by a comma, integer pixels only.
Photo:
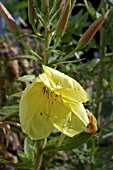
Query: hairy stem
[
  {"x": 39, "y": 155},
  {"x": 47, "y": 43},
  {"x": 68, "y": 55},
  {"x": 100, "y": 91},
  {"x": 100, "y": 88}
]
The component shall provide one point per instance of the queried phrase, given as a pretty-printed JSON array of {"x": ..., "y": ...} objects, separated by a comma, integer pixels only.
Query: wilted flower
[
  {"x": 92, "y": 127},
  {"x": 53, "y": 100}
]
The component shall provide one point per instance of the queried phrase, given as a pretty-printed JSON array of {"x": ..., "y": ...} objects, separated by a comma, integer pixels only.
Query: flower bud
[
  {"x": 88, "y": 35},
  {"x": 63, "y": 2},
  {"x": 31, "y": 12},
  {"x": 45, "y": 6},
  {"x": 62, "y": 24},
  {"x": 9, "y": 20}
]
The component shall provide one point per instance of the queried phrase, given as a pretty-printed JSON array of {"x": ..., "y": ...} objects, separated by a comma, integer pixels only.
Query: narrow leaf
[
  {"x": 26, "y": 78},
  {"x": 8, "y": 109},
  {"x": 68, "y": 143},
  {"x": 26, "y": 57},
  {"x": 28, "y": 144},
  {"x": 21, "y": 166}
]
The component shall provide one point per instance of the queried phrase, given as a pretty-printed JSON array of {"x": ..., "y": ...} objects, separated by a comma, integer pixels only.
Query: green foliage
[
  {"x": 18, "y": 165},
  {"x": 108, "y": 30},
  {"x": 26, "y": 78},
  {"x": 68, "y": 143},
  {"x": 9, "y": 109},
  {"x": 30, "y": 148}
]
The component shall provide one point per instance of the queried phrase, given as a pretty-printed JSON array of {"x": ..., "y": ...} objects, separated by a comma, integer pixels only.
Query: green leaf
[
  {"x": 19, "y": 94},
  {"x": 22, "y": 5},
  {"x": 24, "y": 157},
  {"x": 38, "y": 35},
  {"x": 28, "y": 147},
  {"x": 57, "y": 52},
  {"x": 92, "y": 10},
  {"x": 26, "y": 57},
  {"x": 8, "y": 109},
  {"x": 108, "y": 25},
  {"x": 68, "y": 143},
  {"x": 18, "y": 165},
  {"x": 27, "y": 78}
]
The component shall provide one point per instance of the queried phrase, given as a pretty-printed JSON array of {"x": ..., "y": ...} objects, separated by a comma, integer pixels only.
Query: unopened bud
[
  {"x": 88, "y": 35},
  {"x": 31, "y": 12},
  {"x": 9, "y": 20},
  {"x": 63, "y": 2},
  {"x": 62, "y": 24},
  {"x": 45, "y": 6}
]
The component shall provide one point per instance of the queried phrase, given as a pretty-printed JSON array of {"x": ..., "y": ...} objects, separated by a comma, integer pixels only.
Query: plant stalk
[
  {"x": 47, "y": 42},
  {"x": 39, "y": 155},
  {"x": 100, "y": 90},
  {"x": 68, "y": 55}
]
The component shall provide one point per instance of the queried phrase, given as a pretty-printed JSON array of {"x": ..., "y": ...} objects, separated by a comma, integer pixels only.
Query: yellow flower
[{"x": 53, "y": 100}]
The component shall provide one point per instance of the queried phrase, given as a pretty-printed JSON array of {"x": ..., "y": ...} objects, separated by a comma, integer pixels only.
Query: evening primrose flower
[{"x": 53, "y": 99}]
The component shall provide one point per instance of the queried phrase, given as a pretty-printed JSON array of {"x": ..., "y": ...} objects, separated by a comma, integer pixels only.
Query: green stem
[
  {"x": 99, "y": 92},
  {"x": 39, "y": 155},
  {"x": 69, "y": 55},
  {"x": 62, "y": 136},
  {"x": 47, "y": 42}
]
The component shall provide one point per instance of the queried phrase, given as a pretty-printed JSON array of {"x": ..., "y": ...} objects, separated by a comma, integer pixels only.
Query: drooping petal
[
  {"x": 43, "y": 78},
  {"x": 69, "y": 119},
  {"x": 73, "y": 95},
  {"x": 79, "y": 110},
  {"x": 33, "y": 117},
  {"x": 66, "y": 86}
]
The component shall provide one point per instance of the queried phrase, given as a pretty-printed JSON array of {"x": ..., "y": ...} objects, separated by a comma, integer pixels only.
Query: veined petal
[
  {"x": 43, "y": 78},
  {"x": 69, "y": 119},
  {"x": 73, "y": 95},
  {"x": 53, "y": 99},
  {"x": 33, "y": 117},
  {"x": 79, "y": 110},
  {"x": 66, "y": 86}
]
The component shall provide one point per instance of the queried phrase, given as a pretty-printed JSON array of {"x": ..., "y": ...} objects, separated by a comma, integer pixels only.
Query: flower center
[
  {"x": 51, "y": 98},
  {"x": 50, "y": 101},
  {"x": 49, "y": 93}
]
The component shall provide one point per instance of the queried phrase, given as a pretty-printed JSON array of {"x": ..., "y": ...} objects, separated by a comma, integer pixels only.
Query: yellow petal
[
  {"x": 33, "y": 118},
  {"x": 65, "y": 86},
  {"x": 73, "y": 95},
  {"x": 70, "y": 119},
  {"x": 43, "y": 78}
]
